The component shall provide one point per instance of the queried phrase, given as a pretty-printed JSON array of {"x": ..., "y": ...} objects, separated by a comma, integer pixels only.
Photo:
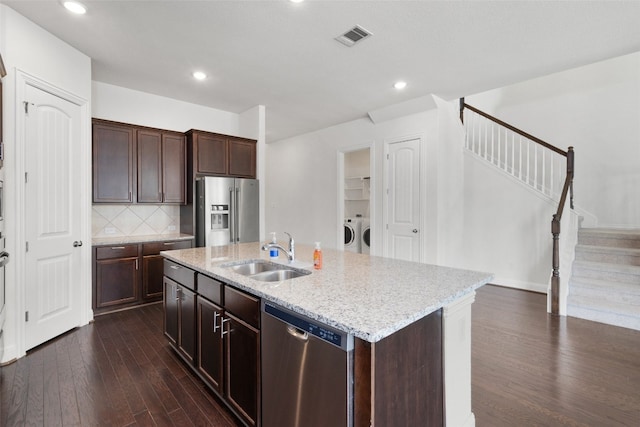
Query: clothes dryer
[
  {"x": 365, "y": 236},
  {"x": 352, "y": 238}
]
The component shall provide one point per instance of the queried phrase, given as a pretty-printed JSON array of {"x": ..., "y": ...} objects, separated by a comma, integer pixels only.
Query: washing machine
[
  {"x": 352, "y": 237},
  {"x": 365, "y": 236}
]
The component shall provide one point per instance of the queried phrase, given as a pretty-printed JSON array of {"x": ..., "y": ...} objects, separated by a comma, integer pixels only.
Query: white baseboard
[{"x": 540, "y": 288}]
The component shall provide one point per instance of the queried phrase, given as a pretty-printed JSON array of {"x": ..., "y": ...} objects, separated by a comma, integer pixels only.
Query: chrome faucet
[{"x": 291, "y": 253}]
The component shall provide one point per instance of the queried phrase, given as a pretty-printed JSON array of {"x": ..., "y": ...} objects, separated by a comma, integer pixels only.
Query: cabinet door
[
  {"x": 116, "y": 281},
  {"x": 149, "y": 150},
  {"x": 187, "y": 322},
  {"x": 113, "y": 165},
  {"x": 242, "y": 158},
  {"x": 211, "y": 154},
  {"x": 152, "y": 276},
  {"x": 173, "y": 168},
  {"x": 210, "y": 350},
  {"x": 243, "y": 368},
  {"x": 171, "y": 310}
]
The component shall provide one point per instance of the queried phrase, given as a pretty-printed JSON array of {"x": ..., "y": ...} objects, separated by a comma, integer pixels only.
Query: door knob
[
  {"x": 415, "y": 230},
  {"x": 77, "y": 243}
]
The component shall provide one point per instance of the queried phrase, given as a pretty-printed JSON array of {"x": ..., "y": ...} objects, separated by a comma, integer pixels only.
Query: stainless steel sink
[
  {"x": 266, "y": 271},
  {"x": 254, "y": 267}
]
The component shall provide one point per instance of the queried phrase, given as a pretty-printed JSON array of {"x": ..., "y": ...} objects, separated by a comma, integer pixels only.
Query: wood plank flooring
[
  {"x": 533, "y": 369},
  {"x": 529, "y": 369}
]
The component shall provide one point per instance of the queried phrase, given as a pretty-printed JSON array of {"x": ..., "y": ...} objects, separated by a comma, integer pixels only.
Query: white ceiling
[{"x": 284, "y": 55}]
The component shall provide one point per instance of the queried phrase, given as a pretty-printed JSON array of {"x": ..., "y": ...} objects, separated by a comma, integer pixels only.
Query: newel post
[
  {"x": 555, "y": 276},
  {"x": 570, "y": 171},
  {"x": 462, "y": 109}
]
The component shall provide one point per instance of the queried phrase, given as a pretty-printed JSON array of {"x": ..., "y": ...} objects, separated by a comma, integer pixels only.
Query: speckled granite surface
[
  {"x": 124, "y": 240},
  {"x": 370, "y": 297}
]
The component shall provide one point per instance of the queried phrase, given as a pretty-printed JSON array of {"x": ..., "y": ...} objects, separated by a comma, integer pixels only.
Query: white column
[{"x": 456, "y": 325}]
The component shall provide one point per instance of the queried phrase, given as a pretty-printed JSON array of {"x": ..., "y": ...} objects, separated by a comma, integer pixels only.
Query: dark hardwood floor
[
  {"x": 533, "y": 369},
  {"x": 529, "y": 369}
]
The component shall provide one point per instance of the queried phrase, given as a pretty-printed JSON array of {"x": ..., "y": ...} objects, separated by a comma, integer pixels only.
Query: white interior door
[
  {"x": 403, "y": 200},
  {"x": 52, "y": 223}
]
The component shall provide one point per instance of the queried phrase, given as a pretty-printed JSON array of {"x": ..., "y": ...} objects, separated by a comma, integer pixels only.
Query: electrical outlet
[
  {"x": 109, "y": 230},
  {"x": 171, "y": 228}
]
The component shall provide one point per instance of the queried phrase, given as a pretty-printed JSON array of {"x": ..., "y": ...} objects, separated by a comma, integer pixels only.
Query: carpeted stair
[{"x": 605, "y": 282}]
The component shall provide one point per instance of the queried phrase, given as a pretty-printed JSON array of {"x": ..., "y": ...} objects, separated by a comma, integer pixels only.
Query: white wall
[
  {"x": 596, "y": 109},
  {"x": 27, "y": 48},
  {"x": 301, "y": 178},
  {"x": 131, "y": 106}
]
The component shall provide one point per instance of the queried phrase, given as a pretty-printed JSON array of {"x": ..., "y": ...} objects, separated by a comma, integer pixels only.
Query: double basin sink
[{"x": 265, "y": 271}]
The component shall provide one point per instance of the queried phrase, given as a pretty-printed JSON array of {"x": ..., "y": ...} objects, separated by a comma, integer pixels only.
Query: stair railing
[{"x": 529, "y": 159}]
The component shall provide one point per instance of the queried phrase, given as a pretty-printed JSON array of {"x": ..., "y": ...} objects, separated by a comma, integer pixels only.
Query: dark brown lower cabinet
[
  {"x": 210, "y": 348},
  {"x": 129, "y": 275},
  {"x": 171, "y": 311},
  {"x": 116, "y": 281},
  {"x": 152, "y": 270},
  {"x": 116, "y": 276},
  {"x": 243, "y": 368},
  {"x": 180, "y": 318},
  {"x": 227, "y": 339},
  {"x": 187, "y": 323}
]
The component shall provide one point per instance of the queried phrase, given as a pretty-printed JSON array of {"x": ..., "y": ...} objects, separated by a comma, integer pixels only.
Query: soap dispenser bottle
[
  {"x": 317, "y": 257},
  {"x": 273, "y": 252}
]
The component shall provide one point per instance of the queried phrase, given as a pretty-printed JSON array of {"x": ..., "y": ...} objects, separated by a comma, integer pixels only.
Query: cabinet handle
[
  {"x": 222, "y": 331},
  {"x": 215, "y": 321},
  {"x": 136, "y": 263},
  {"x": 177, "y": 294},
  {"x": 174, "y": 267},
  {"x": 169, "y": 243},
  {"x": 117, "y": 248}
]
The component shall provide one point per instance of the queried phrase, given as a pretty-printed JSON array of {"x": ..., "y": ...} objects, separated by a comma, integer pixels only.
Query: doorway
[{"x": 355, "y": 201}]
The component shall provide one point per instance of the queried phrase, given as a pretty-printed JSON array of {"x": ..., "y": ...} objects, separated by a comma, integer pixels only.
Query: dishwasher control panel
[{"x": 317, "y": 329}]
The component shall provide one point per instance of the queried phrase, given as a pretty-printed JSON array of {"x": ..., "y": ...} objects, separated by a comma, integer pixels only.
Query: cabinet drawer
[
  {"x": 210, "y": 288},
  {"x": 116, "y": 251},
  {"x": 181, "y": 274},
  {"x": 244, "y": 306},
  {"x": 154, "y": 248}
]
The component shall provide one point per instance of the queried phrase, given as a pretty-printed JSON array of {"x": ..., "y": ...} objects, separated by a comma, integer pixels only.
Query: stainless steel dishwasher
[{"x": 307, "y": 375}]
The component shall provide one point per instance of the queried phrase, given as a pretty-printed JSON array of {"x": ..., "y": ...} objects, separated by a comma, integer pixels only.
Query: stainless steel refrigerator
[{"x": 227, "y": 211}]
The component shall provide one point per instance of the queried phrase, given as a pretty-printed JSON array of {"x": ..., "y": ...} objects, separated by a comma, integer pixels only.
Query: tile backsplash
[{"x": 134, "y": 220}]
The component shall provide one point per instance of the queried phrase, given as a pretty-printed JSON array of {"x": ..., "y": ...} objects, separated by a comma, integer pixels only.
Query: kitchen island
[{"x": 411, "y": 323}]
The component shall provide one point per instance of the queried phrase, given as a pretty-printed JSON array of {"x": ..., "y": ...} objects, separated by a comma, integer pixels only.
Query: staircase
[{"x": 605, "y": 282}]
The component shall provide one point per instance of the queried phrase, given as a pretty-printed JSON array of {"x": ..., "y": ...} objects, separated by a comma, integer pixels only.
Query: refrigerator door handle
[
  {"x": 236, "y": 215},
  {"x": 232, "y": 215}
]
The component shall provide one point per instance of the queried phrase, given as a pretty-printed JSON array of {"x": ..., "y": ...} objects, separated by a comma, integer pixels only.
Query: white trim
[
  {"x": 540, "y": 288},
  {"x": 24, "y": 79},
  {"x": 340, "y": 185}
]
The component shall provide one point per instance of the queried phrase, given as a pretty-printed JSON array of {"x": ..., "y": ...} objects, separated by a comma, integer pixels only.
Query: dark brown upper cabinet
[
  {"x": 174, "y": 173},
  {"x": 149, "y": 166},
  {"x": 161, "y": 167},
  {"x": 114, "y": 167},
  {"x": 222, "y": 155},
  {"x": 132, "y": 164},
  {"x": 242, "y": 157}
]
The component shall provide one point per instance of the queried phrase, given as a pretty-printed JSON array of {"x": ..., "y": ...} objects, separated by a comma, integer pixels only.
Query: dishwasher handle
[{"x": 298, "y": 333}]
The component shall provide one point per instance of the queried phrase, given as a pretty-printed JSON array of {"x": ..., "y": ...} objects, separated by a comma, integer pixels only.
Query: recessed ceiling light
[
  {"x": 199, "y": 75},
  {"x": 296, "y": 1},
  {"x": 75, "y": 7},
  {"x": 400, "y": 85}
]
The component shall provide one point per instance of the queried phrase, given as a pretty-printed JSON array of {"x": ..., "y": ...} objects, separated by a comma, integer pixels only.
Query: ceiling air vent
[{"x": 353, "y": 36}]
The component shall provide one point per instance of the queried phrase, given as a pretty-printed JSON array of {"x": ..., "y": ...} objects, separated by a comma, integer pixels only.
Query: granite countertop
[
  {"x": 124, "y": 240},
  {"x": 370, "y": 297}
]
